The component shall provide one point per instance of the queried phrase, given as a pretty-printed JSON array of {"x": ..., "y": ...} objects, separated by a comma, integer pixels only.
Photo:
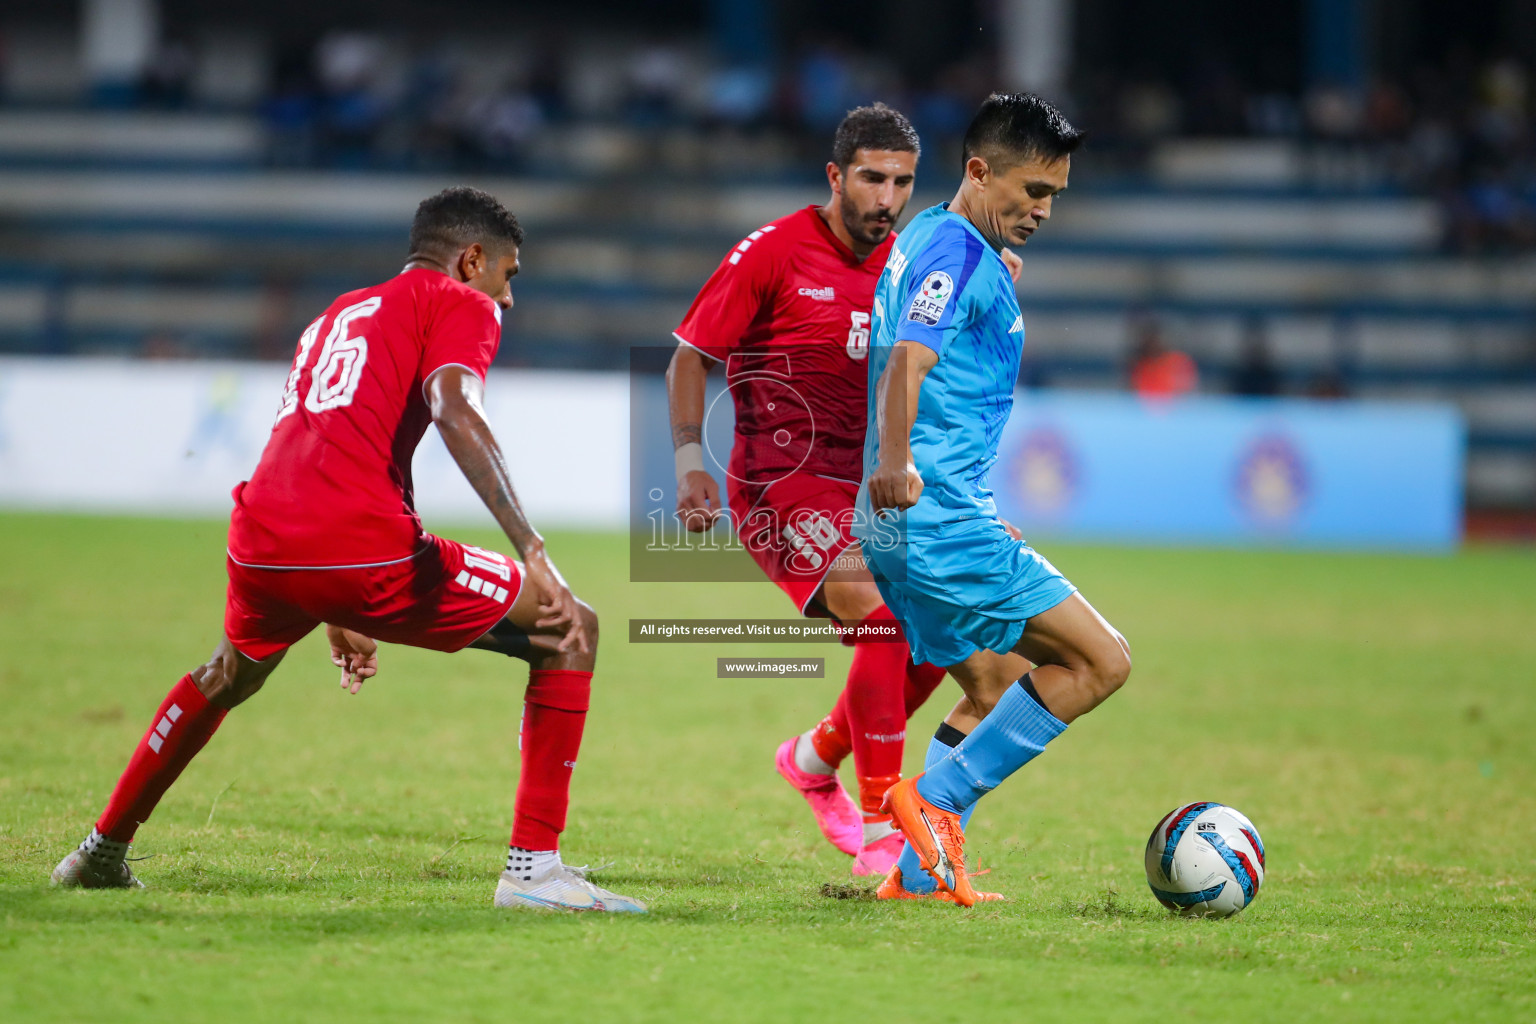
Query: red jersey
[
  {"x": 788, "y": 313},
  {"x": 333, "y": 487}
]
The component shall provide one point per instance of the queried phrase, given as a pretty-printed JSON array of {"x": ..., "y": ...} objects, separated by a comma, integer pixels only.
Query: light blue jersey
[
  {"x": 946, "y": 567},
  {"x": 945, "y": 287}
]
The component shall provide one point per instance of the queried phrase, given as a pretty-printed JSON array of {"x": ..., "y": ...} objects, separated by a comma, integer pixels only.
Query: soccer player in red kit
[
  {"x": 788, "y": 312},
  {"x": 326, "y": 531}
]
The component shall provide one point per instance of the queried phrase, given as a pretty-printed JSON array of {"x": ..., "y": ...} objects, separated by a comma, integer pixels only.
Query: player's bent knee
[
  {"x": 588, "y": 621},
  {"x": 222, "y": 685},
  {"x": 229, "y": 678},
  {"x": 1112, "y": 669},
  {"x": 1124, "y": 645}
]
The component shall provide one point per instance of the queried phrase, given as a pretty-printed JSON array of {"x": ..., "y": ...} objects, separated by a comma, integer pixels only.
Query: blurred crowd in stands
[
  {"x": 361, "y": 99},
  {"x": 1159, "y": 370},
  {"x": 1462, "y": 133}
]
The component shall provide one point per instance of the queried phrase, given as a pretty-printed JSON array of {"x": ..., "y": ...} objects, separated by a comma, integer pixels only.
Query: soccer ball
[{"x": 1205, "y": 860}]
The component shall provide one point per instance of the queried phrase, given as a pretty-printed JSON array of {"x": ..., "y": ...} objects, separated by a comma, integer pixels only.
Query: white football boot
[
  {"x": 562, "y": 887},
  {"x": 82, "y": 871}
]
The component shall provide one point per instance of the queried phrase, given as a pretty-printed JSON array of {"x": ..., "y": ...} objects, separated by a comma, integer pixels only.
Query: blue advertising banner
[
  {"x": 1233, "y": 471},
  {"x": 1199, "y": 471}
]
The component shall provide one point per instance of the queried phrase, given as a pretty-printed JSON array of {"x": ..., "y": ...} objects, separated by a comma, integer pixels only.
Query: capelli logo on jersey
[{"x": 819, "y": 294}]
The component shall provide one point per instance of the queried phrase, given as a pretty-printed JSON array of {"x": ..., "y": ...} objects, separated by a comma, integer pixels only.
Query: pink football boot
[{"x": 836, "y": 814}]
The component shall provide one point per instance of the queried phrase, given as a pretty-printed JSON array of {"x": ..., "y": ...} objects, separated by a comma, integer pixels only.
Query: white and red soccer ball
[{"x": 1205, "y": 860}]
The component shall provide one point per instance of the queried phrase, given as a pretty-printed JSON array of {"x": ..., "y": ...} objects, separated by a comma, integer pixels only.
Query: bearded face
[
  {"x": 874, "y": 189},
  {"x": 869, "y": 227}
]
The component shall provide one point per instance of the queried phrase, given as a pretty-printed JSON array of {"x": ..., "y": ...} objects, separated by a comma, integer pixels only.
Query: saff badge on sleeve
[{"x": 929, "y": 302}]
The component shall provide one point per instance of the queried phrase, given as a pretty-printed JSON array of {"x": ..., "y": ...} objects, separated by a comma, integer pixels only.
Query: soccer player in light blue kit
[{"x": 1028, "y": 651}]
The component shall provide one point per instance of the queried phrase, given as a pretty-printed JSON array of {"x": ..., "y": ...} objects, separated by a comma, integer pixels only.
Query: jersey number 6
[
  {"x": 858, "y": 336},
  {"x": 339, "y": 367},
  {"x": 341, "y": 363}
]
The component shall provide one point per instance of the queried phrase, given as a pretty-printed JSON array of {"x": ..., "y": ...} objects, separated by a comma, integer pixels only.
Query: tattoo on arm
[
  {"x": 474, "y": 448},
  {"x": 687, "y": 433}
]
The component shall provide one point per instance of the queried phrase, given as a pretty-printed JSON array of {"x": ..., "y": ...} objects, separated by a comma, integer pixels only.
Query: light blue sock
[
  {"x": 913, "y": 877},
  {"x": 1010, "y": 737}
]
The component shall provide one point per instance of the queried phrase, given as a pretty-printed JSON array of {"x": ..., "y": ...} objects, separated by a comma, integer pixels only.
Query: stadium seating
[{"x": 162, "y": 234}]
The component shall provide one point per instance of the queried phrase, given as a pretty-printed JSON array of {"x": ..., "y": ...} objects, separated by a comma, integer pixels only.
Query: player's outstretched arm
[
  {"x": 698, "y": 495},
  {"x": 356, "y": 655},
  {"x": 895, "y": 482},
  {"x": 455, "y": 397}
]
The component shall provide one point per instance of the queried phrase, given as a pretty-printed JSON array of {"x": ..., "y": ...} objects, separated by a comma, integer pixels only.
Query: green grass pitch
[{"x": 333, "y": 857}]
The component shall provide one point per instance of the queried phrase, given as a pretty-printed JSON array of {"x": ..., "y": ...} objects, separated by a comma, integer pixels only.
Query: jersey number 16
[{"x": 339, "y": 367}]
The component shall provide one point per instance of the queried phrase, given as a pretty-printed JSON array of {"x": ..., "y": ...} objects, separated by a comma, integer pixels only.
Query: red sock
[
  {"x": 877, "y": 722},
  {"x": 830, "y": 738},
  {"x": 922, "y": 680},
  {"x": 554, "y": 713},
  {"x": 181, "y": 727}
]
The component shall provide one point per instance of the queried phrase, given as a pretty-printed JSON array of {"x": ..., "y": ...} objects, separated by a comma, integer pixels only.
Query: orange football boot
[
  {"x": 892, "y": 889},
  {"x": 936, "y": 836}
]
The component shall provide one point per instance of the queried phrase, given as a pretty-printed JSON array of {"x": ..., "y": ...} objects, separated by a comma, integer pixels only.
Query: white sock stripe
[
  {"x": 528, "y": 864},
  {"x": 156, "y": 741},
  {"x": 100, "y": 847},
  {"x": 173, "y": 712}
]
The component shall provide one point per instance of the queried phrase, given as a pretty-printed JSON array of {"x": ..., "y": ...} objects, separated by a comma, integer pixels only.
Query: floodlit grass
[{"x": 333, "y": 858}]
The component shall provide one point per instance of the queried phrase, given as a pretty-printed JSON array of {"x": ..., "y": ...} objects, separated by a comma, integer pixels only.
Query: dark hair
[
  {"x": 460, "y": 216},
  {"x": 1013, "y": 127},
  {"x": 876, "y": 127}
]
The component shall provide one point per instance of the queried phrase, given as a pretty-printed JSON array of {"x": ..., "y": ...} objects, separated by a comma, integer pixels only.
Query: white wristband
[{"x": 688, "y": 458}]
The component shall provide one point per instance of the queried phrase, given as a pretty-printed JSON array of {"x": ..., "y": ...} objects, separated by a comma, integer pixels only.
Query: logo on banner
[
  {"x": 218, "y": 422},
  {"x": 928, "y": 305},
  {"x": 1045, "y": 472},
  {"x": 1272, "y": 481}
]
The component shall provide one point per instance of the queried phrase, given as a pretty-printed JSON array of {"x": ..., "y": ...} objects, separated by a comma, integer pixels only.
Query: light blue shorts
[{"x": 964, "y": 586}]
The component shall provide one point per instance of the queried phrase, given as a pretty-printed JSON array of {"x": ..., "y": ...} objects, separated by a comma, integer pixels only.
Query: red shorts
[
  {"x": 444, "y": 598},
  {"x": 795, "y": 529}
]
